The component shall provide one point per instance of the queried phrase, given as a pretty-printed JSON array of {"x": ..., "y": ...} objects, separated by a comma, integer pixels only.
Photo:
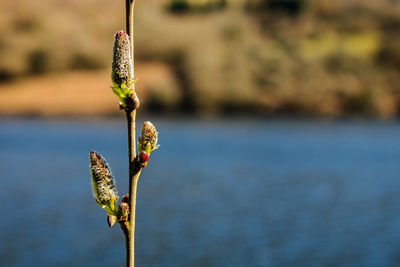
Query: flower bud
[
  {"x": 148, "y": 140},
  {"x": 102, "y": 183},
  {"x": 123, "y": 211},
  {"x": 121, "y": 70}
]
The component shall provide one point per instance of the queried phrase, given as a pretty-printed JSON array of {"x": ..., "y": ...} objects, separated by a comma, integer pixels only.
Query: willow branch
[{"x": 133, "y": 175}]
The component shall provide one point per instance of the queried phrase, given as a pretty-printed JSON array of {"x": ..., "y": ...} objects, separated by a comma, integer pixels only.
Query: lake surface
[{"x": 216, "y": 193}]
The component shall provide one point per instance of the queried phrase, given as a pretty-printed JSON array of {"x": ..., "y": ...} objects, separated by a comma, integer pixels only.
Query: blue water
[{"x": 216, "y": 193}]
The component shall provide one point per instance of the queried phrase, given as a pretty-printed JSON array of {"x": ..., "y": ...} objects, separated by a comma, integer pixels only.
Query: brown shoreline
[{"x": 73, "y": 94}]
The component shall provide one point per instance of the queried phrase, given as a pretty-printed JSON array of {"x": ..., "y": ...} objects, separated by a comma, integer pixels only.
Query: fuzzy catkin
[
  {"x": 102, "y": 180},
  {"x": 121, "y": 70},
  {"x": 149, "y": 135}
]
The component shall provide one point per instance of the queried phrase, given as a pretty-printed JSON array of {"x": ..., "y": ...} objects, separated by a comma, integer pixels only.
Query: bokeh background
[{"x": 278, "y": 130}]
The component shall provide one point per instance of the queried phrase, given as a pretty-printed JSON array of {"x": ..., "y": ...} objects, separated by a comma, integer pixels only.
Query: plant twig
[
  {"x": 133, "y": 171},
  {"x": 130, "y": 25},
  {"x": 122, "y": 76},
  {"x": 133, "y": 179}
]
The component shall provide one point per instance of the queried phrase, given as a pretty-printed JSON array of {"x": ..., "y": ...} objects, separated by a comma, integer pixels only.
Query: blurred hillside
[{"x": 266, "y": 57}]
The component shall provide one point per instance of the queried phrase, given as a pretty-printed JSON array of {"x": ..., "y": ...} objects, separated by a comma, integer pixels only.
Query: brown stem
[
  {"x": 125, "y": 230},
  {"x": 130, "y": 25},
  {"x": 133, "y": 171},
  {"x": 130, "y": 235}
]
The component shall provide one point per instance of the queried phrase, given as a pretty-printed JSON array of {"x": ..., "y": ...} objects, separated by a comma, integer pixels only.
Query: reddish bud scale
[
  {"x": 125, "y": 198},
  {"x": 143, "y": 159},
  {"x": 132, "y": 102}
]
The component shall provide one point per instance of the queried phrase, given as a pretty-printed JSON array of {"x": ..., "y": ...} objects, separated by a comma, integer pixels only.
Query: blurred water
[{"x": 238, "y": 193}]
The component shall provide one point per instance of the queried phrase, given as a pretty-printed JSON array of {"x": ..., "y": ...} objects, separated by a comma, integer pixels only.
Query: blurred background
[{"x": 278, "y": 131}]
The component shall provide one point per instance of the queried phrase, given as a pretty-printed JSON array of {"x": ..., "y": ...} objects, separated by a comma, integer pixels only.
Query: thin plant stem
[
  {"x": 134, "y": 172},
  {"x": 130, "y": 26}
]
